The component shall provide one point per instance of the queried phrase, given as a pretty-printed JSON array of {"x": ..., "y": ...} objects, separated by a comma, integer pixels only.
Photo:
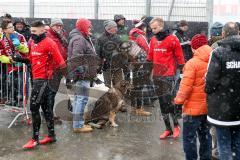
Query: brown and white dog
[{"x": 106, "y": 107}]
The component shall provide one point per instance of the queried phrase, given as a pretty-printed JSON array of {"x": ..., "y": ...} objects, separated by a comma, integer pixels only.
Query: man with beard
[
  {"x": 108, "y": 44},
  {"x": 21, "y": 27},
  {"x": 43, "y": 52},
  {"x": 166, "y": 53},
  {"x": 112, "y": 60}
]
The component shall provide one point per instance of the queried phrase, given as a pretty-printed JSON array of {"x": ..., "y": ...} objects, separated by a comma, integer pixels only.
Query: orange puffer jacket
[{"x": 191, "y": 92}]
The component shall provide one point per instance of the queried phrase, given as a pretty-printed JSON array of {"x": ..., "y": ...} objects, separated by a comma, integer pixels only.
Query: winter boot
[
  {"x": 84, "y": 129},
  {"x": 142, "y": 112}
]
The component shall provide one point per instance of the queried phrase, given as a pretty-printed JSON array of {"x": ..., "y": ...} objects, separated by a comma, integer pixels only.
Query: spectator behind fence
[
  {"x": 58, "y": 35},
  {"x": 215, "y": 34},
  {"x": 222, "y": 88},
  {"x": 3, "y": 93},
  {"x": 140, "y": 77},
  {"x": 122, "y": 31},
  {"x": 114, "y": 61},
  {"x": 146, "y": 20},
  {"x": 108, "y": 44},
  {"x": 121, "y": 27},
  {"x": 43, "y": 53},
  {"x": 7, "y": 17},
  {"x": 13, "y": 46},
  {"x": 165, "y": 52},
  {"x": 22, "y": 27},
  {"x": 192, "y": 96},
  {"x": 181, "y": 33},
  {"x": 138, "y": 35}
]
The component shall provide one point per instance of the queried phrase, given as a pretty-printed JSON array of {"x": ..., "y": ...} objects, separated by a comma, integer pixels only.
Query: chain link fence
[{"x": 172, "y": 10}]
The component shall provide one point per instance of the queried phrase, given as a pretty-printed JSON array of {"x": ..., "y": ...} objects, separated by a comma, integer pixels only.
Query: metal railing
[{"x": 14, "y": 85}]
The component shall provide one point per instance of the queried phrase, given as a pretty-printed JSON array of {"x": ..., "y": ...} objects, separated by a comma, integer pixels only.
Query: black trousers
[
  {"x": 40, "y": 98},
  {"x": 53, "y": 86},
  {"x": 138, "y": 80},
  {"x": 3, "y": 80},
  {"x": 166, "y": 91}
]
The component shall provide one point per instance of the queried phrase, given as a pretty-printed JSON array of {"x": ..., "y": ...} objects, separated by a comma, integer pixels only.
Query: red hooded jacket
[
  {"x": 83, "y": 25},
  {"x": 6, "y": 48},
  {"x": 53, "y": 35},
  {"x": 165, "y": 55},
  {"x": 137, "y": 35},
  {"x": 45, "y": 57}
]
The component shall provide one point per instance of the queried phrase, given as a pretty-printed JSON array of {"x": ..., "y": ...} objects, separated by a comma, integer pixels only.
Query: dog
[{"x": 106, "y": 107}]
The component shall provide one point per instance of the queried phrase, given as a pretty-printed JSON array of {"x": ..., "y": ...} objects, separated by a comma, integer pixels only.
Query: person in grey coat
[{"x": 82, "y": 69}]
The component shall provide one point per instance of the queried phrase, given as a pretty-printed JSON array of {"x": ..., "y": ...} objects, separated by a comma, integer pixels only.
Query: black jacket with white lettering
[{"x": 223, "y": 83}]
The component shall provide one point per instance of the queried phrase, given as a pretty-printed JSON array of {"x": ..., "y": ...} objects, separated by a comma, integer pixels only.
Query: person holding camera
[{"x": 13, "y": 47}]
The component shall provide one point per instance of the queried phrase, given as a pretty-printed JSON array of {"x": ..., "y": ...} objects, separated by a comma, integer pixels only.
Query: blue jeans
[
  {"x": 193, "y": 127},
  {"x": 80, "y": 101},
  {"x": 228, "y": 140}
]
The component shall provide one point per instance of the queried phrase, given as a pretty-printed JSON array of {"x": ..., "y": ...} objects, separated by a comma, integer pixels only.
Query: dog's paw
[{"x": 114, "y": 125}]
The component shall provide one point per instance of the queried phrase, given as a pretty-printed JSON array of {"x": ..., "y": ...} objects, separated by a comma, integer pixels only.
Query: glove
[{"x": 16, "y": 42}]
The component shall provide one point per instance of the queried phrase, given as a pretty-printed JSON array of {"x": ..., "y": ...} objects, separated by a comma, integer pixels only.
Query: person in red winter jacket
[
  {"x": 138, "y": 36},
  {"x": 13, "y": 45},
  {"x": 57, "y": 34},
  {"x": 166, "y": 54},
  {"x": 43, "y": 54}
]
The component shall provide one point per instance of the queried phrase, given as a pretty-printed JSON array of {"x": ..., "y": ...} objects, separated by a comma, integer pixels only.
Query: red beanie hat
[
  {"x": 198, "y": 40},
  {"x": 83, "y": 25}
]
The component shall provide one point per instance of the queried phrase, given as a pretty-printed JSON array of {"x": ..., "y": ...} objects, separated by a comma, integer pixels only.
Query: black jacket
[
  {"x": 183, "y": 39},
  {"x": 26, "y": 32},
  {"x": 107, "y": 47},
  {"x": 223, "y": 83}
]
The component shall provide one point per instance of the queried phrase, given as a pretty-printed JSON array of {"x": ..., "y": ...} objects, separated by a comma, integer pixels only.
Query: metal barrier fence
[
  {"x": 171, "y": 10},
  {"x": 14, "y": 85}
]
